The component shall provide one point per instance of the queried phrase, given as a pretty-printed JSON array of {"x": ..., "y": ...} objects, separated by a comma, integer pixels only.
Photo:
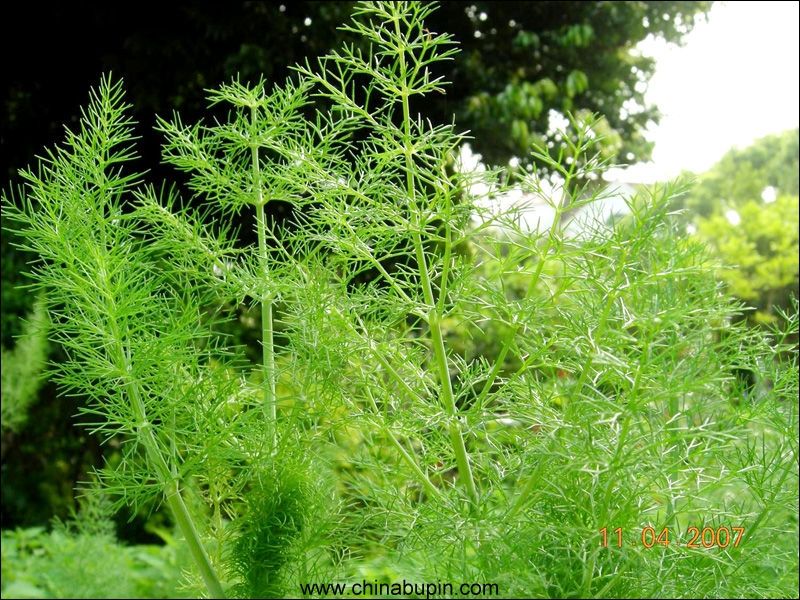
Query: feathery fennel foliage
[
  {"x": 452, "y": 397},
  {"x": 22, "y": 369}
]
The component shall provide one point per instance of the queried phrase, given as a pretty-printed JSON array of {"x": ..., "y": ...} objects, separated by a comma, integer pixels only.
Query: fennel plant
[{"x": 442, "y": 393}]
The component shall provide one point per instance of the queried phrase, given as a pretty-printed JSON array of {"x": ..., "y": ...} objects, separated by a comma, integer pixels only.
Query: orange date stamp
[{"x": 696, "y": 537}]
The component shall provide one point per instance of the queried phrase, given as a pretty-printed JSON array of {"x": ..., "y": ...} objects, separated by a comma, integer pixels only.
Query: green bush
[{"x": 82, "y": 559}]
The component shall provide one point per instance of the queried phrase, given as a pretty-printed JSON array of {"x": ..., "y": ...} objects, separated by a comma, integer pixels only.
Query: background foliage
[
  {"x": 746, "y": 207},
  {"x": 518, "y": 61}
]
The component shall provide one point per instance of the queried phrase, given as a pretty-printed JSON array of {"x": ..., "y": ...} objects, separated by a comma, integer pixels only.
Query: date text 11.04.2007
[{"x": 696, "y": 537}]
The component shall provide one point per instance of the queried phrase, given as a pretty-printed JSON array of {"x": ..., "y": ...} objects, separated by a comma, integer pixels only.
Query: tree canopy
[
  {"x": 746, "y": 208},
  {"x": 519, "y": 62},
  {"x": 742, "y": 175}
]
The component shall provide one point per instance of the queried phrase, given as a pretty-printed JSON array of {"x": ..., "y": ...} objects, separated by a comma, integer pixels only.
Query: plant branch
[
  {"x": 267, "y": 341},
  {"x": 434, "y": 317}
]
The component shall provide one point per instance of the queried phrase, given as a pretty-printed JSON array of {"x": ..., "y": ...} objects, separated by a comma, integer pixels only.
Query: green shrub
[
  {"x": 22, "y": 369},
  {"x": 82, "y": 559}
]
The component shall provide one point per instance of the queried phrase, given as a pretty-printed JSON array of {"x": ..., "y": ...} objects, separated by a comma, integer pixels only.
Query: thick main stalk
[{"x": 434, "y": 316}]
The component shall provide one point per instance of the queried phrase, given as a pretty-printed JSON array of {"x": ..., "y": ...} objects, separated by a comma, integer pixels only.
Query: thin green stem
[
  {"x": 549, "y": 241},
  {"x": 407, "y": 456},
  {"x": 530, "y": 486},
  {"x": 267, "y": 340},
  {"x": 523, "y": 496},
  {"x": 611, "y": 297},
  {"x": 148, "y": 439},
  {"x": 186, "y": 525},
  {"x": 386, "y": 364}
]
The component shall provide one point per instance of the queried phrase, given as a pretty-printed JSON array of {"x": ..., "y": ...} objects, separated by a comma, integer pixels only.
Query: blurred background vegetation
[
  {"x": 520, "y": 64},
  {"x": 746, "y": 208}
]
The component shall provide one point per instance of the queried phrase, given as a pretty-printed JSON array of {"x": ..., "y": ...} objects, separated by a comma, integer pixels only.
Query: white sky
[{"x": 735, "y": 80}]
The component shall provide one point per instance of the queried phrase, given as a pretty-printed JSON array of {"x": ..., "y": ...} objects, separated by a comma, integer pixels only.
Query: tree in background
[
  {"x": 742, "y": 175},
  {"x": 519, "y": 61},
  {"x": 746, "y": 208},
  {"x": 522, "y": 61}
]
